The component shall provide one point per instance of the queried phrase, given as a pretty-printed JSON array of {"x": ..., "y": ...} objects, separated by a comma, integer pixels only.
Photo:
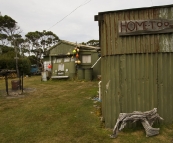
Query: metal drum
[
  {"x": 80, "y": 73},
  {"x": 88, "y": 74}
]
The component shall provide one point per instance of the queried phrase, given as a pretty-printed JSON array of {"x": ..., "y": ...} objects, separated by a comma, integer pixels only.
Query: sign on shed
[{"x": 137, "y": 27}]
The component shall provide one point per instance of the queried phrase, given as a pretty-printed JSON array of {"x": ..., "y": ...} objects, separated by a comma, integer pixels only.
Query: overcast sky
[{"x": 71, "y": 20}]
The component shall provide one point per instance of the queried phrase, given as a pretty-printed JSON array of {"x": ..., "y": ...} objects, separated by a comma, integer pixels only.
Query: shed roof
[
  {"x": 160, "y": 6},
  {"x": 80, "y": 46}
]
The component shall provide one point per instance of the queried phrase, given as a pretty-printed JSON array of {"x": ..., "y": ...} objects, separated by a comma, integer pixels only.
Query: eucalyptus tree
[
  {"x": 48, "y": 39},
  {"x": 21, "y": 45},
  {"x": 92, "y": 43},
  {"x": 39, "y": 42},
  {"x": 9, "y": 32},
  {"x": 33, "y": 39},
  {"x": 9, "y": 29},
  {"x": 3, "y": 39},
  {"x": 24, "y": 47}
]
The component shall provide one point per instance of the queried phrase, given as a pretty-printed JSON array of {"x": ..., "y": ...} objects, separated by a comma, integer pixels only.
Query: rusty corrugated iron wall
[{"x": 137, "y": 71}]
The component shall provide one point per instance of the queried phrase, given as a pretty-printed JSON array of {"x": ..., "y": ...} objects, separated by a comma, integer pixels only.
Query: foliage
[
  {"x": 92, "y": 43},
  {"x": 36, "y": 43},
  {"x": 33, "y": 59},
  {"x": 7, "y": 23},
  {"x": 9, "y": 30},
  {"x": 7, "y": 60},
  {"x": 24, "y": 65},
  {"x": 6, "y": 49},
  {"x": 83, "y": 43},
  {"x": 39, "y": 42},
  {"x": 3, "y": 39}
]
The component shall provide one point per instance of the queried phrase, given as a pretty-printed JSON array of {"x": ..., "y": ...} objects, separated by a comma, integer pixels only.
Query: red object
[
  {"x": 77, "y": 55},
  {"x": 49, "y": 66}
]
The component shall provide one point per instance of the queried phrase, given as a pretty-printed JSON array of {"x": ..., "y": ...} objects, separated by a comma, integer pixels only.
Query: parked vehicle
[{"x": 35, "y": 70}]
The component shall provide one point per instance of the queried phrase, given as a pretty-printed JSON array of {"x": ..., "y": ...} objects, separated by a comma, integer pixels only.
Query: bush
[
  {"x": 7, "y": 61},
  {"x": 24, "y": 65}
]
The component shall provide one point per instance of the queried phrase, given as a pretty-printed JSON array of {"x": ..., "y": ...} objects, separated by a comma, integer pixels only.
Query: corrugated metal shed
[
  {"x": 137, "y": 70},
  {"x": 134, "y": 44},
  {"x": 64, "y": 47},
  {"x": 63, "y": 59}
]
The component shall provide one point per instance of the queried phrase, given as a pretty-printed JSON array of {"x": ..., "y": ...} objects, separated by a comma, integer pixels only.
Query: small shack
[
  {"x": 137, "y": 61},
  {"x": 72, "y": 60}
]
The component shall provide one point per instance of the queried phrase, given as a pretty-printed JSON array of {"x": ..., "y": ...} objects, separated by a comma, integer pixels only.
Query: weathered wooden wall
[{"x": 137, "y": 71}]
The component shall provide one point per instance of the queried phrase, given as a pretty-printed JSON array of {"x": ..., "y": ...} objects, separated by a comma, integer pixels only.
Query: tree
[
  {"x": 20, "y": 43},
  {"x": 39, "y": 42},
  {"x": 6, "y": 49},
  {"x": 49, "y": 39},
  {"x": 83, "y": 43},
  {"x": 9, "y": 28},
  {"x": 7, "y": 62},
  {"x": 9, "y": 31},
  {"x": 4, "y": 39},
  {"x": 92, "y": 43}
]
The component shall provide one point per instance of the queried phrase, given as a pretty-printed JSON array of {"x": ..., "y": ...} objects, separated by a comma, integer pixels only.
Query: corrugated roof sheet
[
  {"x": 137, "y": 8},
  {"x": 76, "y": 44}
]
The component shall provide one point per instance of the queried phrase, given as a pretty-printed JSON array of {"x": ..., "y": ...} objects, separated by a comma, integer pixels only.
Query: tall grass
[{"x": 59, "y": 111}]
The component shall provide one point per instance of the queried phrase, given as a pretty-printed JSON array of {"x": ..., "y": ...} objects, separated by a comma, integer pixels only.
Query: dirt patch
[{"x": 16, "y": 93}]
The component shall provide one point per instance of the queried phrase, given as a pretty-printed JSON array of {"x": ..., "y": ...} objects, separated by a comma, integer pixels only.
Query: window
[
  {"x": 73, "y": 59},
  {"x": 54, "y": 60},
  {"x": 86, "y": 59},
  {"x": 61, "y": 67},
  {"x": 58, "y": 60},
  {"x": 66, "y": 59}
]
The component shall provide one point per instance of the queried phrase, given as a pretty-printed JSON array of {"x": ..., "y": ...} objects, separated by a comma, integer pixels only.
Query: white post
[{"x": 99, "y": 90}]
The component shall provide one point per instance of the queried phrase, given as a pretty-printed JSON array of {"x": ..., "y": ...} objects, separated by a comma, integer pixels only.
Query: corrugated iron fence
[{"x": 137, "y": 71}]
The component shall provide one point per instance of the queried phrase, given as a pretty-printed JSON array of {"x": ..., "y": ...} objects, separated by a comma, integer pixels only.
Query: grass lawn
[{"x": 59, "y": 111}]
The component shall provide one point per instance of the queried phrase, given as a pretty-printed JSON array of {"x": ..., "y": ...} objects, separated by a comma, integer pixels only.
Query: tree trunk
[
  {"x": 17, "y": 68},
  {"x": 16, "y": 58}
]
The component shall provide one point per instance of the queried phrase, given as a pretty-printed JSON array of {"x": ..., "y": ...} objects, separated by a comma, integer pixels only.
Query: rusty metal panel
[{"x": 112, "y": 43}]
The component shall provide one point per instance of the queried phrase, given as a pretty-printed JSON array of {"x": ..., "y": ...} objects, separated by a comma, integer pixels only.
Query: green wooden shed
[{"x": 74, "y": 61}]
